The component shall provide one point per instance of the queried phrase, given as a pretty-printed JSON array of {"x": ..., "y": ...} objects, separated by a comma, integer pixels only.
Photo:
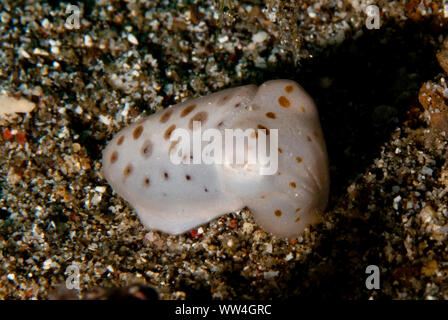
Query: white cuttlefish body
[{"x": 278, "y": 169}]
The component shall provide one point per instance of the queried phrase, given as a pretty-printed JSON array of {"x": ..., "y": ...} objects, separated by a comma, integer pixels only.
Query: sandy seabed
[{"x": 389, "y": 171}]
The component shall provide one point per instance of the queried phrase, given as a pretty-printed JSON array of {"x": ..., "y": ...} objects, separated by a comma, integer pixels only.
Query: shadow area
[{"x": 363, "y": 89}]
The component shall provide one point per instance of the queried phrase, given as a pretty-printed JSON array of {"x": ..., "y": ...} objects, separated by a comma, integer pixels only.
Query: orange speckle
[
  {"x": 308, "y": 138},
  {"x": 270, "y": 115},
  {"x": 298, "y": 209},
  {"x": 288, "y": 89},
  {"x": 303, "y": 109},
  {"x": 299, "y": 160},
  {"x": 233, "y": 224},
  {"x": 137, "y": 132},
  {"x": 127, "y": 171},
  {"x": 316, "y": 134},
  {"x": 113, "y": 157},
  {"x": 278, "y": 213},
  {"x": 164, "y": 118},
  {"x": 280, "y": 150},
  {"x": 172, "y": 146},
  {"x": 284, "y": 102},
  {"x": 120, "y": 140},
  {"x": 297, "y": 219},
  {"x": 146, "y": 149},
  {"x": 187, "y": 110},
  {"x": 169, "y": 131},
  {"x": 292, "y": 184},
  {"x": 200, "y": 116}
]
